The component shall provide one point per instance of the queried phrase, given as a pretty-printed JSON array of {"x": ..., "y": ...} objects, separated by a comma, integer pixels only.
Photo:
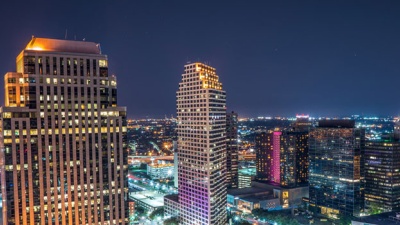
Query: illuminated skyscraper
[
  {"x": 232, "y": 149},
  {"x": 268, "y": 156},
  {"x": 294, "y": 159},
  {"x": 201, "y": 129},
  {"x": 382, "y": 175},
  {"x": 64, "y": 136},
  {"x": 263, "y": 148},
  {"x": 276, "y": 157},
  {"x": 336, "y": 168}
]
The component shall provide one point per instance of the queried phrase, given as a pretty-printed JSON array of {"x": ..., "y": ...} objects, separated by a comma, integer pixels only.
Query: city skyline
[{"x": 320, "y": 58}]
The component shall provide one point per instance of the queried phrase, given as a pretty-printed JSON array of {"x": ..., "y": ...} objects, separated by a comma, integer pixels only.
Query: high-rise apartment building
[
  {"x": 268, "y": 156},
  {"x": 294, "y": 159},
  {"x": 232, "y": 150},
  {"x": 263, "y": 148},
  {"x": 382, "y": 175},
  {"x": 64, "y": 136},
  {"x": 276, "y": 157},
  {"x": 335, "y": 170},
  {"x": 201, "y": 110}
]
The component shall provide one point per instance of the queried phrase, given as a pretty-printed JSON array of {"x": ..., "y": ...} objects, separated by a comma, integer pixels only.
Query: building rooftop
[
  {"x": 174, "y": 197},
  {"x": 56, "y": 45},
  {"x": 256, "y": 199},
  {"x": 336, "y": 123},
  {"x": 247, "y": 191},
  {"x": 150, "y": 198}
]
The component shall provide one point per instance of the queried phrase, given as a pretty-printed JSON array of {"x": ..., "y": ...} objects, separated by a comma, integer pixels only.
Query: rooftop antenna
[
  {"x": 66, "y": 34},
  {"x": 98, "y": 45}
]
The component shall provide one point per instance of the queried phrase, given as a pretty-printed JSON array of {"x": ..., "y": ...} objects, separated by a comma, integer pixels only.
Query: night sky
[{"x": 273, "y": 57}]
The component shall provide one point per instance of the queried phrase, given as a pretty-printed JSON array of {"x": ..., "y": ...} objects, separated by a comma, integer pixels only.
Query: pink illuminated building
[
  {"x": 275, "y": 165},
  {"x": 268, "y": 156}
]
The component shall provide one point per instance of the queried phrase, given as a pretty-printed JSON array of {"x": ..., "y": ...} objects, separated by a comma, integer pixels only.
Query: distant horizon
[{"x": 284, "y": 116}]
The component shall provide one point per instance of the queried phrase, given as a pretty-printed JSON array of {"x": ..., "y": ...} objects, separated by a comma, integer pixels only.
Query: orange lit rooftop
[{"x": 57, "y": 45}]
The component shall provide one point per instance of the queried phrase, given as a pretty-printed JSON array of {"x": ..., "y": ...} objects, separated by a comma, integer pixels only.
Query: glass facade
[
  {"x": 335, "y": 170},
  {"x": 232, "y": 150},
  {"x": 382, "y": 176}
]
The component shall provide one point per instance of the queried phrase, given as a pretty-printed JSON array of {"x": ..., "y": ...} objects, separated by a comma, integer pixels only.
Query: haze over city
[{"x": 274, "y": 58}]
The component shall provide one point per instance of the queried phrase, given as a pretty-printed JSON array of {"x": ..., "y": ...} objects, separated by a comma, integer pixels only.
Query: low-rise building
[
  {"x": 246, "y": 175},
  {"x": 149, "y": 200},
  {"x": 288, "y": 197},
  {"x": 161, "y": 170},
  {"x": 247, "y": 199}
]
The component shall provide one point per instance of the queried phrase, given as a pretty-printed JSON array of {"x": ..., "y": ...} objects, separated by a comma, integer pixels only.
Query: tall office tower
[
  {"x": 335, "y": 170},
  {"x": 294, "y": 159},
  {"x": 232, "y": 149},
  {"x": 263, "y": 142},
  {"x": 382, "y": 175},
  {"x": 64, "y": 137},
  {"x": 201, "y": 110},
  {"x": 268, "y": 156}
]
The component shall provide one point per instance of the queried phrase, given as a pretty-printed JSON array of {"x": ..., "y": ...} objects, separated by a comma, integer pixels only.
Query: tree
[
  {"x": 156, "y": 213},
  {"x": 345, "y": 220},
  {"x": 374, "y": 208}
]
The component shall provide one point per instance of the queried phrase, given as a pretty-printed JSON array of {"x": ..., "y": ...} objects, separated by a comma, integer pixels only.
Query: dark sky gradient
[{"x": 273, "y": 57}]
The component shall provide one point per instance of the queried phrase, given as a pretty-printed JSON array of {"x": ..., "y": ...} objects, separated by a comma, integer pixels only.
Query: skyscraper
[
  {"x": 201, "y": 110},
  {"x": 268, "y": 156},
  {"x": 294, "y": 159},
  {"x": 263, "y": 143},
  {"x": 335, "y": 170},
  {"x": 276, "y": 157},
  {"x": 232, "y": 149},
  {"x": 65, "y": 157},
  {"x": 382, "y": 175}
]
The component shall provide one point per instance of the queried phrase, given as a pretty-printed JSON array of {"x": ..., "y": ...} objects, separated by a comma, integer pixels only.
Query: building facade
[
  {"x": 264, "y": 156},
  {"x": 246, "y": 176},
  {"x": 335, "y": 170},
  {"x": 171, "y": 206},
  {"x": 294, "y": 159},
  {"x": 65, "y": 155},
  {"x": 268, "y": 156},
  {"x": 160, "y": 170},
  {"x": 201, "y": 116},
  {"x": 232, "y": 150},
  {"x": 382, "y": 175},
  {"x": 276, "y": 157}
]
